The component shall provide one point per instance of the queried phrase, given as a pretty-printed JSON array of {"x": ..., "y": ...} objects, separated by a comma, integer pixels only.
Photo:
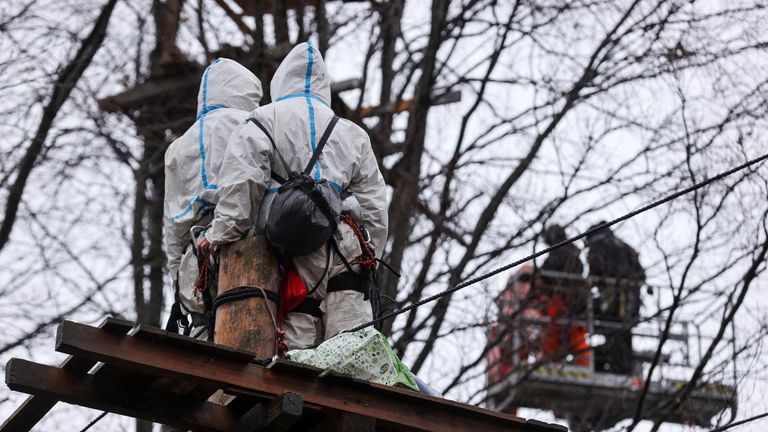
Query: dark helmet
[
  {"x": 601, "y": 233},
  {"x": 554, "y": 234}
]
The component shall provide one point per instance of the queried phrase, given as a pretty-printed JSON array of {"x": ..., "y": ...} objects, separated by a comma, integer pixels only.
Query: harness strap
[
  {"x": 276, "y": 177},
  {"x": 347, "y": 281},
  {"x": 310, "y": 306},
  {"x": 244, "y": 292},
  {"x": 320, "y": 145},
  {"x": 325, "y": 272},
  {"x": 341, "y": 255},
  {"x": 312, "y": 160},
  {"x": 177, "y": 318}
]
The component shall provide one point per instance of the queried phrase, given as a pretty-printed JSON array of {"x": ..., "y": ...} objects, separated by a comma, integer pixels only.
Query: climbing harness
[{"x": 366, "y": 279}]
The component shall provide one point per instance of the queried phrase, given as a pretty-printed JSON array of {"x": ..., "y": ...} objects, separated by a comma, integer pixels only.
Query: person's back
[
  {"x": 616, "y": 271},
  {"x": 228, "y": 92},
  {"x": 296, "y": 120},
  {"x": 564, "y": 259}
]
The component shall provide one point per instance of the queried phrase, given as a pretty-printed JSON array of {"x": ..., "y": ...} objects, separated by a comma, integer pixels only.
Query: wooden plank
[
  {"x": 391, "y": 406},
  {"x": 186, "y": 388},
  {"x": 34, "y": 408},
  {"x": 291, "y": 367},
  {"x": 192, "y": 344},
  {"x": 90, "y": 391}
]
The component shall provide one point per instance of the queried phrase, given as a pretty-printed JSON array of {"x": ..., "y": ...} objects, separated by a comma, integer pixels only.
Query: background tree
[{"x": 570, "y": 112}]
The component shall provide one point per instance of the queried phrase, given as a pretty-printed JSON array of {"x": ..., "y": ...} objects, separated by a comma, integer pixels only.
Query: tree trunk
[{"x": 247, "y": 324}]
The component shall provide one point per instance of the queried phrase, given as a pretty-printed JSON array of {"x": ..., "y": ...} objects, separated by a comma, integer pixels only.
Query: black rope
[
  {"x": 496, "y": 271},
  {"x": 740, "y": 422},
  {"x": 262, "y": 362},
  {"x": 244, "y": 292},
  {"x": 94, "y": 421}
]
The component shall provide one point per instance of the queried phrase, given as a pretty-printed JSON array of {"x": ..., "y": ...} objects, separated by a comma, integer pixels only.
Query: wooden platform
[
  {"x": 603, "y": 399},
  {"x": 147, "y": 373}
]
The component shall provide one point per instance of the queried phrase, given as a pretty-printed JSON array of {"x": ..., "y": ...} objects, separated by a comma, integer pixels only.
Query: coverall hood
[
  {"x": 228, "y": 92},
  {"x": 228, "y": 84},
  {"x": 302, "y": 72}
]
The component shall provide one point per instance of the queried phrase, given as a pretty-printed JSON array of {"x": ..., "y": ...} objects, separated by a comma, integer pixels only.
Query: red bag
[{"x": 293, "y": 290}]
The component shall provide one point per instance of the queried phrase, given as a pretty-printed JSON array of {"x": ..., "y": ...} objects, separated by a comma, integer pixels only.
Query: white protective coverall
[
  {"x": 296, "y": 121},
  {"x": 228, "y": 92}
]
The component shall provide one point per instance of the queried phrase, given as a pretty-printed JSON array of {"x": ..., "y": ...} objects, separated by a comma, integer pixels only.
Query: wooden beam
[
  {"x": 347, "y": 84},
  {"x": 283, "y": 412},
  {"x": 346, "y": 422},
  {"x": 34, "y": 408},
  {"x": 407, "y": 410},
  {"x": 246, "y": 5},
  {"x": 277, "y": 416},
  {"x": 407, "y": 104},
  {"x": 92, "y": 392},
  {"x": 139, "y": 94}
]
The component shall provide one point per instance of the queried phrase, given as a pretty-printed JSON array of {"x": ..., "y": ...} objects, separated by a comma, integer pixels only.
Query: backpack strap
[
  {"x": 320, "y": 145},
  {"x": 325, "y": 272},
  {"x": 310, "y": 306},
  {"x": 275, "y": 176}
]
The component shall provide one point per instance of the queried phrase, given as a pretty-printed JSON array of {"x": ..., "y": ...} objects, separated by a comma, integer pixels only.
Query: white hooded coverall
[
  {"x": 296, "y": 120},
  {"x": 228, "y": 92}
]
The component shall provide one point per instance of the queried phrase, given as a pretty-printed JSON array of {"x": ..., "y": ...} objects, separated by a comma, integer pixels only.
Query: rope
[
  {"x": 203, "y": 280},
  {"x": 367, "y": 258},
  {"x": 244, "y": 292},
  {"x": 280, "y": 346},
  {"x": 534, "y": 255},
  {"x": 94, "y": 421}
]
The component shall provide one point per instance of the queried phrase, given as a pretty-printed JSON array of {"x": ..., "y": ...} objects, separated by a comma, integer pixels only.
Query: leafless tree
[{"x": 570, "y": 112}]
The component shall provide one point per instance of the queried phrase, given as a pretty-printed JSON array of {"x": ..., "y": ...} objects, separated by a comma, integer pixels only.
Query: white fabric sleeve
[
  {"x": 243, "y": 180},
  {"x": 371, "y": 192},
  {"x": 173, "y": 233}
]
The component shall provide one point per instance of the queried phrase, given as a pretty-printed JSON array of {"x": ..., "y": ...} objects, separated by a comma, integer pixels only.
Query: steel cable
[{"x": 516, "y": 263}]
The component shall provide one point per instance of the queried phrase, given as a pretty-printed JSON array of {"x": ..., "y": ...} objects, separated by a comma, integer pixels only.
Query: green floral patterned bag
[{"x": 364, "y": 354}]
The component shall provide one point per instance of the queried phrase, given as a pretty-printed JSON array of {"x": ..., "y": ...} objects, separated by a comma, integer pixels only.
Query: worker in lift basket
[
  {"x": 566, "y": 291},
  {"x": 614, "y": 268},
  {"x": 277, "y": 145}
]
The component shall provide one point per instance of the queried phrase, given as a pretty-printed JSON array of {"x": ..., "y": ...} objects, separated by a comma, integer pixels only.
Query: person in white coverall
[
  {"x": 296, "y": 119},
  {"x": 228, "y": 92}
]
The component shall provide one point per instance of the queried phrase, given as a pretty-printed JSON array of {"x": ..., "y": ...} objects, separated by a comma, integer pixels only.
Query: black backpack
[{"x": 305, "y": 213}]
